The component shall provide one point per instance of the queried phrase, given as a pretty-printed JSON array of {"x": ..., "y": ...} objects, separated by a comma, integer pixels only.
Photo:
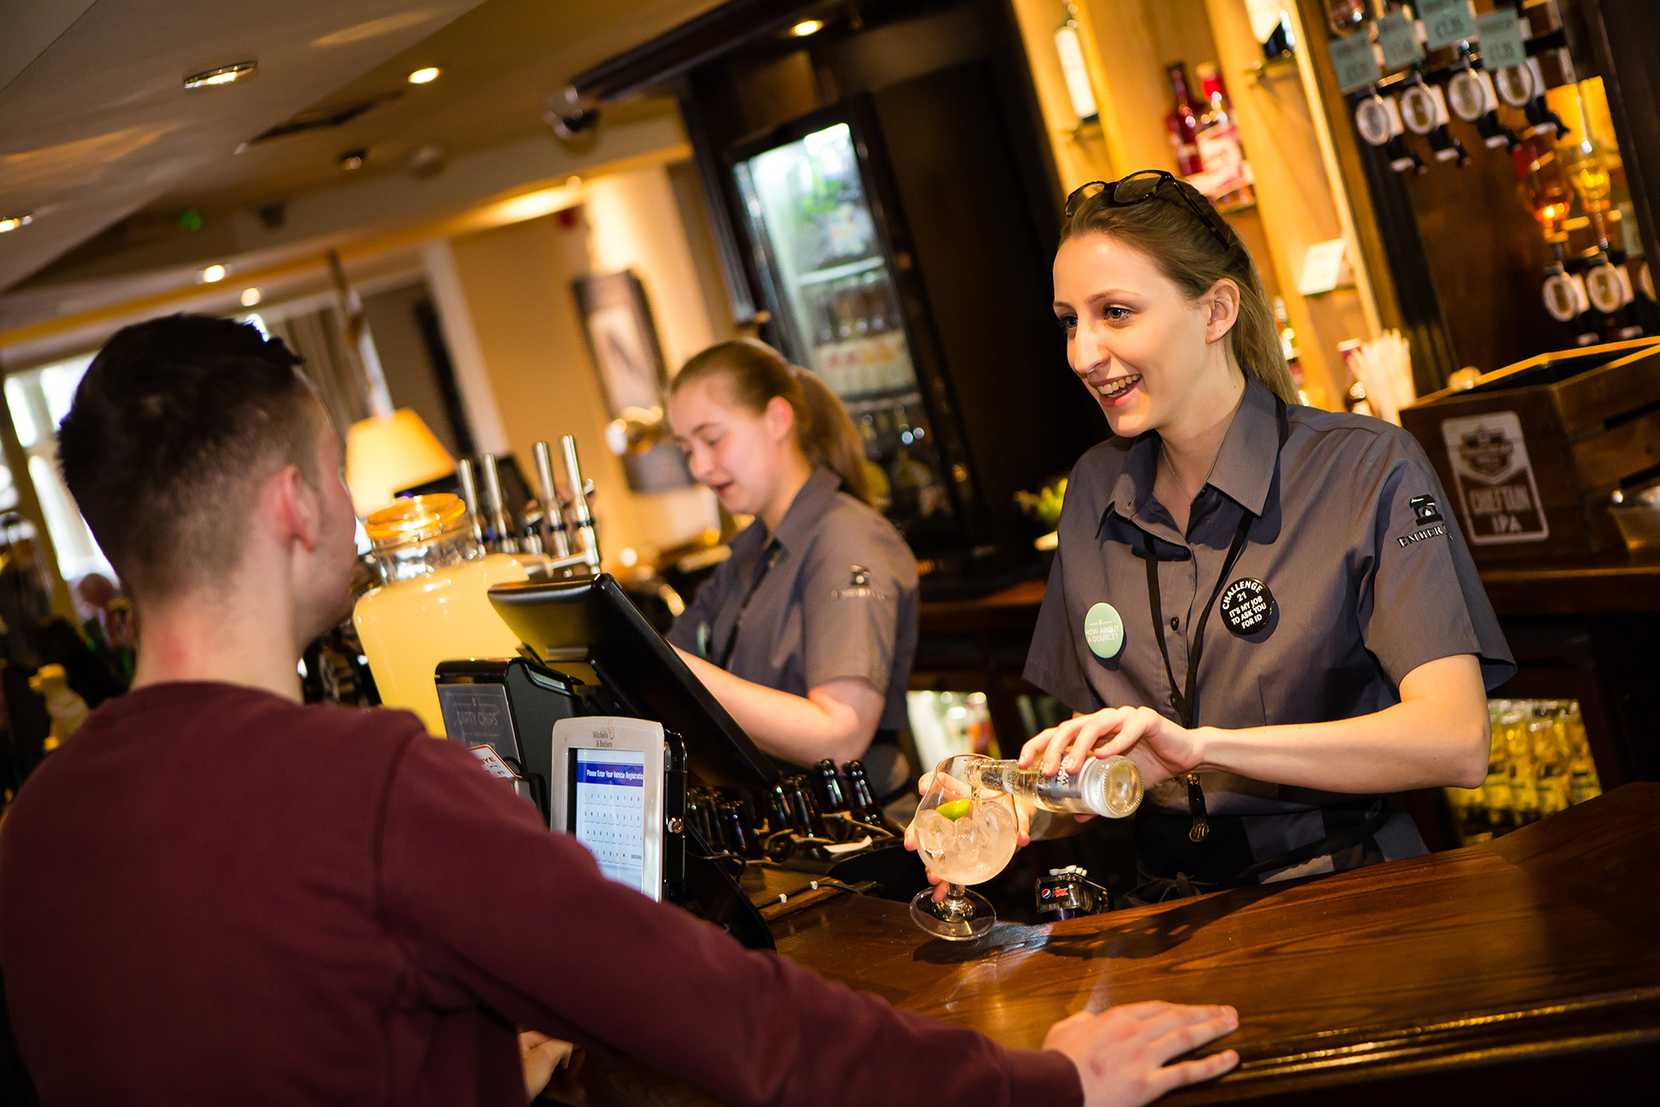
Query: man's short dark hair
[{"x": 173, "y": 423}]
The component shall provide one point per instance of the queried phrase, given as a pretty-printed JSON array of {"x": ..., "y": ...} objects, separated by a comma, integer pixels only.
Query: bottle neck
[
  {"x": 417, "y": 559},
  {"x": 1178, "y": 90}
]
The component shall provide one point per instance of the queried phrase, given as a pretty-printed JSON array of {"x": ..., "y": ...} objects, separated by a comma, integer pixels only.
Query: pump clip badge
[
  {"x": 1248, "y": 608},
  {"x": 1104, "y": 631}
]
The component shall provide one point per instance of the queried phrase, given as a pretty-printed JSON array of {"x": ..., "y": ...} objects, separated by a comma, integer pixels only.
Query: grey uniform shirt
[
  {"x": 1351, "y": 535},
  {"x": 839, "y": 600}
]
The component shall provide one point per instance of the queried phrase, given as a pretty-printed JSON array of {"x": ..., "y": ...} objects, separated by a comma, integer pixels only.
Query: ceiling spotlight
[
  {"x": 12, "y": 222},
  {"x": 352, "y": 160},
  {"x": 807, "y": 27},
  {"x": 224, "y": 75},
  {"x": 251, "y": 297},
  {"x": 213, "y": 274},
  {"x": 425, "y": 75}
]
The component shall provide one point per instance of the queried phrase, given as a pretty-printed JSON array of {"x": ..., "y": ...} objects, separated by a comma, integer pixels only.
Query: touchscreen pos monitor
[
  {"x": 613, "y": 776},
  {"x": 588, "y": 629}
]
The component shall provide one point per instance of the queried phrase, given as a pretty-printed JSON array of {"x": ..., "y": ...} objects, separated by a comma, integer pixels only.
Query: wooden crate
[{"x": 1530, "y": 455}]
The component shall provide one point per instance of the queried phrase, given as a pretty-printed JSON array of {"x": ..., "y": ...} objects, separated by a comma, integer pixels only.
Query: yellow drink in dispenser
[{"x": 433, "y": 605}]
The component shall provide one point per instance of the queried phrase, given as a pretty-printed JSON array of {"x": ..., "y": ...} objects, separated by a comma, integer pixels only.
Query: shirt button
[{"x": 1175, "y": 623}]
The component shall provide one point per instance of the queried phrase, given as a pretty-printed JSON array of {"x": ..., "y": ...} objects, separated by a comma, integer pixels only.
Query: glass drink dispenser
[{"x": 432, "y": 605}]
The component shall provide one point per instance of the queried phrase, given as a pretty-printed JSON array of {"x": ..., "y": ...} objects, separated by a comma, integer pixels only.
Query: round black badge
[{"x": 1248, "y": 607}]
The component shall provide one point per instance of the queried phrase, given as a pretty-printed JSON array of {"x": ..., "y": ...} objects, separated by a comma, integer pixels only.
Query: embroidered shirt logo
[
  {"x": 1424, "y": 507},
  {"x": 1427, "y": 515},
  {"x": 858, "y": 586}
]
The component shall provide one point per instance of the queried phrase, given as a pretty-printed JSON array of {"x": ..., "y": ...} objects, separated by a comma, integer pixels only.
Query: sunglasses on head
[{"x": 1145, "y": 185}]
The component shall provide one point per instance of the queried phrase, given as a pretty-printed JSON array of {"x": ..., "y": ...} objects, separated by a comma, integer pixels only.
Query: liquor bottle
[
  {"x": 1608, "y": 287},
  {"x": 1567, "y": 300},
  {"x": 1582, "y": 770},
  {"x": 862, "y": 805},
  {"x": 1288, "y": 349},
  {"x": 1182, "y": 122},
  {"x": 827, "y": 787},
  {"x": 1548, "y": 195},
  {"x": 804, "y": 813},
  {"x": 1271, "y": 27},
  {"x": 1073, "y": 68},
  {"x": 1108, "y": 786},
  {"x": 1220, "y": 150},
  {"x": 1345, "y": 15},
  {"x": 1424, "y": 107}
]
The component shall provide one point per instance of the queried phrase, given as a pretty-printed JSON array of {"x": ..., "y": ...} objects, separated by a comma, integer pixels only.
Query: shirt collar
[
  {"x": 810, "y": 503},
  {"x": 1244, "y": 466}
]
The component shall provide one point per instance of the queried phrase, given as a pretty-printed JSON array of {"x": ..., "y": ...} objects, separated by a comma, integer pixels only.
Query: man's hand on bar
[
  {"x": 1122, "y": 1053},
  {"x": 541, "y": 1057}
]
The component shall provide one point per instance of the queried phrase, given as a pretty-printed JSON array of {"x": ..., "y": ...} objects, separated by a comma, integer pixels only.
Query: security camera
[{"x": 569, "y": 116}]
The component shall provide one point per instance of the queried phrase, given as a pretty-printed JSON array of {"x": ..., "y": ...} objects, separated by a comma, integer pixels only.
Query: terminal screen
[{"x": 609, "y": 804}]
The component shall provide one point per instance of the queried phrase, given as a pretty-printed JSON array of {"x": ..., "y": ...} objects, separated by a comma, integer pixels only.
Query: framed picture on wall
[{"x": 622, "y": 340}]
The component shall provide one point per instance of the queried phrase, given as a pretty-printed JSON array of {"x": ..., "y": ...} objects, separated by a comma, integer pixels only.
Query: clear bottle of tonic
[{"x": 1109, "y": 786}]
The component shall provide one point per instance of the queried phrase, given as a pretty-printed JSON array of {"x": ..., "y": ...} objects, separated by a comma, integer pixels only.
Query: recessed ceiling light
[
  {"x": 807, "y": 27},
  {"x": 352, "y": 160},
  {"x": 12, "y": 222},
  {"x": 425, "y": 75},
  {"x": 251, "y": 297},
  {"x": 213, "y": 274},
  {"x": 224, "y": 75}
]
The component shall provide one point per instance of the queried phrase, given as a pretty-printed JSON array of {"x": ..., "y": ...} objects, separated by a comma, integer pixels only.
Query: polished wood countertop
[{"x": 1526, "y": 969}]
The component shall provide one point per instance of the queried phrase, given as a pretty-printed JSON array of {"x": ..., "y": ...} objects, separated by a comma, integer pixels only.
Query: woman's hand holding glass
[
  {"x": 965, "y": 830},
  {"x": 1161, "y": 748},
  {"x": 1023, "y": 810}
]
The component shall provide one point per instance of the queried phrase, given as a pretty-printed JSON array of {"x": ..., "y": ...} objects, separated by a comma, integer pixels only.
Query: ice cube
[
  {"x": 999, "y": 829},
  {"x": 997, "y": 821},
  {"x": 933, "y": 832}
]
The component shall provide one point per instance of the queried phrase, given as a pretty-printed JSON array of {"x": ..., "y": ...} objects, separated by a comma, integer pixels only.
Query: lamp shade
[{"x": 386, "y": 453}]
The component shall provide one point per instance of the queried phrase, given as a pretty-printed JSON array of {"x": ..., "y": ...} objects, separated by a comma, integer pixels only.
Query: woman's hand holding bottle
[{"x": 1160, "y": 748}]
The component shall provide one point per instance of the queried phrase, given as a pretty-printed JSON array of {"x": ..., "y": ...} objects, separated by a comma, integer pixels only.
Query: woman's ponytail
[{"x": 828, "y": 435}]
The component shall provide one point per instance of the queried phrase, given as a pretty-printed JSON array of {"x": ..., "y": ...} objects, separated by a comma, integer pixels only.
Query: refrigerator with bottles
[{"x": 828, "y": 281}]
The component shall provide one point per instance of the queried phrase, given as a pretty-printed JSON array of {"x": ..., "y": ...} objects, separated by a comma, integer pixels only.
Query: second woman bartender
[
  {"x": 807, "y": 632},
  {"x": 1270, "y": 608}
]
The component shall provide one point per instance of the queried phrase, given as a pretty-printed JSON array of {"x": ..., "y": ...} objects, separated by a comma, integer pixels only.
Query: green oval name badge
[{"x": 1104, "y": 631}]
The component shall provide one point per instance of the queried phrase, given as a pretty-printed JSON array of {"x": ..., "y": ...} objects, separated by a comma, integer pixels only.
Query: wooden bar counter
[
  {"x": 1525, "y": 970},
  {"x": 1522, "y": 971}
]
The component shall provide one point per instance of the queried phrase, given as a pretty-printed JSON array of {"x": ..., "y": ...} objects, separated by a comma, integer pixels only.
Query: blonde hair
[
  {"x": 1187, "y": 251},
  {"x": 755, "y": 373}
]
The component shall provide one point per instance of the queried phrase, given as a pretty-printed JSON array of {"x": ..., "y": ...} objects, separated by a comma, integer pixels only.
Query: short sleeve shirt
[
  {"x": 831, "y": 595},
  {"x": 1368, "y": 572}
]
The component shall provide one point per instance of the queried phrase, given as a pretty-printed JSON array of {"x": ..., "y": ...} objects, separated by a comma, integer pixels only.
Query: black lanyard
[
  {"x": 768, "y": 557},
  {"x": 1185, "y": 694}
]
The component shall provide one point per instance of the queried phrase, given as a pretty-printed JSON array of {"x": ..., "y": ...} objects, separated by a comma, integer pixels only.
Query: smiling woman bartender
[
  {"x": 1262, "y": 604},
  {"x": 807, "y": 632}
]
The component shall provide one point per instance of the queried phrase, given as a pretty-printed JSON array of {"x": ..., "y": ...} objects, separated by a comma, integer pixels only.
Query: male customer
[{"x": 215, "y": 894}]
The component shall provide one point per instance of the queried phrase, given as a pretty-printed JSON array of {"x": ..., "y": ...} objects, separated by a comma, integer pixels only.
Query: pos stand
[{"x": 588, "y": 637}]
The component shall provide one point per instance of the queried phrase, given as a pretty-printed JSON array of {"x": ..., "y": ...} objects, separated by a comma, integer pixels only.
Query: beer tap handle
[
  {"x": 499, "y": 522},
  {"x": 469, "y": 492},
  {"x": 556, "y": 535},
  {"x": 587, "y": 539}
]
